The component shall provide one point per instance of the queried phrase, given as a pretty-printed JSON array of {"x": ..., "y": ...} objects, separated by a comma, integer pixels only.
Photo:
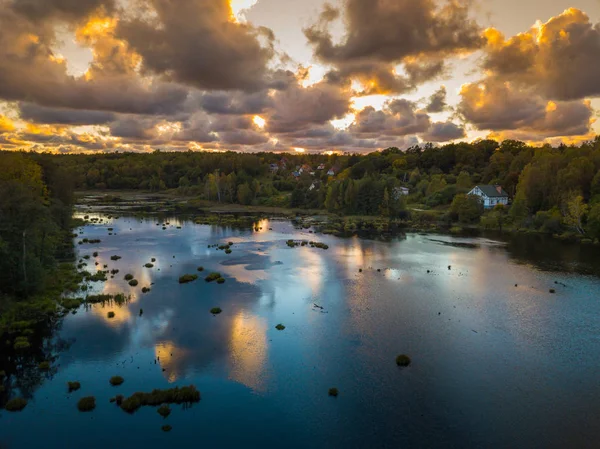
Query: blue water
[{"x": 493, "y": 365}]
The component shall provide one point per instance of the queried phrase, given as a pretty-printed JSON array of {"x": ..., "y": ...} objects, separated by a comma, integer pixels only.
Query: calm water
[{"x": 494, "y": 365}]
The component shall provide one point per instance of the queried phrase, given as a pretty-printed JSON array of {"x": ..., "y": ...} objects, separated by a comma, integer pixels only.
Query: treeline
[
  {"x": 553, "y": 189},
  {"x": 36, "y": 199}
]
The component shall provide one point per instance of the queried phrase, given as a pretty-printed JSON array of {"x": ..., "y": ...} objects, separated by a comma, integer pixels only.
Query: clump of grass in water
[
  {"x": 187, "y": 278},
  {"x": 115, "y": 257},
  {"x": 552, "y": 290},
  {"x": 177, "y": 395},
  {"x": 149, "y": 265},
  {"x": 212, "y": 277},
  {"x": 227, "y": 251},
  {"x": 280, "y": 327},
  {"x": 128, "y": 277},
  {"x": 221, "y": 281},
  {"x": 333, "y": 392},
  {"x": 133, "y": 282},
  {"x": 116, "y": 381},
  {"x": 86, "y": 404},
  {"x": 215, "y": 310},
  {"x": 44, "y": 366},
  {"x": 110, "y": 314},
  {"x": 73, "y": 386},
  {"x": 166, "y": 428},
  {"x": 403, "y": 360},
  {"x": 200, "y": 268},
  {"x": 21, "y": 343},
  {"x": 164, "y": 411},
  {"x": 145, "y": 289},
  {"x": 16, "y": 405}
]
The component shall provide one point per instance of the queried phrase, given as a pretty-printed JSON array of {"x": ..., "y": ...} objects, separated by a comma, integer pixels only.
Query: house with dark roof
[{"x": 491, "y": 195}]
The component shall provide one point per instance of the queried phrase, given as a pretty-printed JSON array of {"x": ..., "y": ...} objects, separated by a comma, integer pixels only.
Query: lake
[{"x": 497, "y": 360}]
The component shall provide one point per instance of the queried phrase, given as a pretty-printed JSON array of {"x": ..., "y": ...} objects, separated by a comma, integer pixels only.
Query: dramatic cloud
[
  {"x": 197, "y": 43},
  {"x": 398, "y": 118},
  {"x": 559, "y": 58},
  {"x": 298, "y": 107},
  {"x": 67, "y": 9},
  {"x": 382, "y": 34},
  {"x": 500, "y": 106},
  {"x": 60, "y": 116},
  {"x": 443, "y": 132},
  {"x": 437, "y": 102}
]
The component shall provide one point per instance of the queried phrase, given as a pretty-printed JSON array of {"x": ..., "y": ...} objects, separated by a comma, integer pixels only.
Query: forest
[
  {"x": 36, "y": 247},
  {"x": 552, "y": 189}
]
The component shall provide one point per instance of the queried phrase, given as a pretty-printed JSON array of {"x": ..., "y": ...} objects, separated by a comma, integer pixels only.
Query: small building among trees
[{"x": 491, "y": 195}]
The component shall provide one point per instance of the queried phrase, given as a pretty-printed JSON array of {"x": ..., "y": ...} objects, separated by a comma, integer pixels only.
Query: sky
[{"x": 295, "y": 76}]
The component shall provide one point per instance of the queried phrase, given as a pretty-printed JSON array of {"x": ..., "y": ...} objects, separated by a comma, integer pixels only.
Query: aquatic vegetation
[
  {"x": 200, "y": 268},
  {"x": 145, "y": 289},
  {"x": 221, "y": 281},
  {"x": 149, "y": 265},
  {"x": 44, "y": 366},
  {"x": 333, "y": 392},
  {"x": 212, "y": 277},
  {"x": 403, "y": 360},
  {"x": 228, "y": 251},
  {"x": 119, "y": 399},
  {"x": 95, "y": 254},
  {"x": 128, "y": 277},
  {"x": 153, "y": 259},
  {"x": 115, "y": 257},
  {"x": 110, "y": 314},
  {"x": 97, "y": 299},
  {"x": 177, "y": 395},
  {"x": 73, "y": 386},
  {"x": 215, "y": 310},
  {"x": 552, "y": 290},
  {"x": 100, "y": 276},
  {"x": 166, "y": 428},
  {"x": 280, "y": 327},
  {"x": 116, "y": 381},
  {"x": 141, "y": 312},
  {"x": 133, "y": 282},
  {"x": 164, "y": 411},
  {"x": 16, "y": 405},
  {"x": 86, "y": 404},
  {"x": 187, "y": 278},
  {"x": 320, "y": 245},
  {"x": 21, "y": 343},
  {"x": 71, "y": 303}
]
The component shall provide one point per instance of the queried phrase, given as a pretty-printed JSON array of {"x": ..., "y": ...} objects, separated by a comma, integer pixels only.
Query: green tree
[
  {"x": 244, "y": 194},
  {"x": 574, "y": 212},
  {"x": 593, "y": 222},
  {"x": 466, "y": 208}
]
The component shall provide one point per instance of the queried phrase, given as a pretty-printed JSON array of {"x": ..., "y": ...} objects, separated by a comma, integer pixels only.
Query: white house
[
  {"x": 490, "y": 195},
  {"x": 400, "y": 192}
]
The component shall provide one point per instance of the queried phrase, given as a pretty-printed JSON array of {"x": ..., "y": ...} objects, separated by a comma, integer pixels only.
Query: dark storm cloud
[
  {"x": 60, "y": 116},
  {"x": 559, "y": 59},
  {"x": 195, "y": 42},
  {"x": 220, "y": 102}
]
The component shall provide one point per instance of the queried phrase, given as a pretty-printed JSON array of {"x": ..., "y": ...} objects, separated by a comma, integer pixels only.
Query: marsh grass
[
  {"x": 86, "y": 404},
  {"x": 221, "y": 281},
  {"x": 149, "y": 265},
  {"x": 44, "y": 366},
  {"x": 333, "y": 392},
  {"x": 133, "y": 282},
  {"x": 73, "y": 386},
  {"x": 166, "y": 428},
  {"x": 280, "y": 327},
  {"x": 128, "y": 277},
  {"x": 178, "y": 395},
  {"x": 215, "y": 310},
  {"x": 110, "y": 314},
  {"x": 116, "y": 381},
  {"x": 186, "y": 278},
  {"x": 16, "y": 405},
  {"x": 212, "y": 277}
]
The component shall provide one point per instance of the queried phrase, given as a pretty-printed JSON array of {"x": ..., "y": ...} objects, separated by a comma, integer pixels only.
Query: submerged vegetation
[
  {"x": 280, "y": 327},
  {"x": 177, "y": 395},
  {"x": 73, "y": 386},
  {"x": 212, "y": 277},
  {"x": 403, "y": 360},
  {"x": 164, "y": 410},
  {"x": 333, "y": 392},
  {"x": 215, "y": 310}
]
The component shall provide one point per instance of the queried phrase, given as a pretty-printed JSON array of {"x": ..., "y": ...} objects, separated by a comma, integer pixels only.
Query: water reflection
[{"x": 248, "y": 350}]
